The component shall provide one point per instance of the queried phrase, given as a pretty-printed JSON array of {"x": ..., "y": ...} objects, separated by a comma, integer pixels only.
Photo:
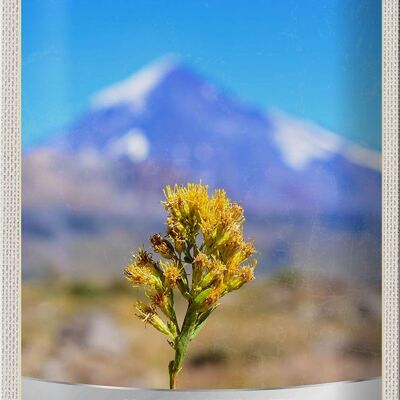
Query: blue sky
[{"x": 315, "y": 59}]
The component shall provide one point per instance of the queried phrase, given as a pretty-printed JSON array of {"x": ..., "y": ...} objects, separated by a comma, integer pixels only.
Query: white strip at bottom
[{"x": 33, "y": 389}]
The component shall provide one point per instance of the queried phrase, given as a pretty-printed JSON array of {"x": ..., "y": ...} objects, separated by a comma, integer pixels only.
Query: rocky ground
[{"x": 281, "y": 331}]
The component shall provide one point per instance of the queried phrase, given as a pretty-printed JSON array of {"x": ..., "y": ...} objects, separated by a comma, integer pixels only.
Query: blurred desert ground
[{"x": 288, "y": 329}]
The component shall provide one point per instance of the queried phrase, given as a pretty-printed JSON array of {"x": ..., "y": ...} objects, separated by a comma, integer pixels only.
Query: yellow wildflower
[
  {"x": 204, "y": 239},
  {"x": 148, "y": 315},
  {"x": 140, "y": 274},
  {"x": 212, "y": 299},
  {"x": 171, "y": 272}
]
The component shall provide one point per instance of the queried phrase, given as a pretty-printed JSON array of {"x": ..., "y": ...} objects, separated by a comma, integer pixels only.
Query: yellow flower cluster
[
  {"x": 204, "y": 256},
  {"x": 209, "y": 233}
]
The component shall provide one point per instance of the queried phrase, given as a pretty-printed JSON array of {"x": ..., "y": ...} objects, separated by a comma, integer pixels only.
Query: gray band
[{"x": 44, "y": 390}]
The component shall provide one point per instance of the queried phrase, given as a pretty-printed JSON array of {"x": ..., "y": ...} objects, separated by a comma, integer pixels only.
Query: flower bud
[
  {"x": 213, "y": 297},
  {"x": 171, "y": 272},
  {"x": 147, "y": 314},
  {"x": 201, "y": 261},
  {"x": 143, "y": 271},
  {"x": 245, "y": 274},
  {"x": 162, "y": 246}
]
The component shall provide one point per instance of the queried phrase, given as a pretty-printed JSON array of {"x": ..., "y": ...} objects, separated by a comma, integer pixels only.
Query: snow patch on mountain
[
  {"x": 135, "y": 89},
  {"x": 301, "y": 142},
  {"x": 363, "y": 156},
  {"x": 134, "y": 145}
]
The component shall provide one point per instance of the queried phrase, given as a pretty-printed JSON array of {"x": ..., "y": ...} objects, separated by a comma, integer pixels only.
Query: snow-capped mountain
[
  {"x": 167, "y": 124},
  {"x": 170, "y": 114}
]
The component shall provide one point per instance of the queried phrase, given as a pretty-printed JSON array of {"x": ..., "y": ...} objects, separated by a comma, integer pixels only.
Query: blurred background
[{"x": 277, "y": 103}]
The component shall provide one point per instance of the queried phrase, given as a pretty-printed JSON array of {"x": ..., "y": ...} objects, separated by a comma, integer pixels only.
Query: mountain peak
[{"x": 136, "y": 88}]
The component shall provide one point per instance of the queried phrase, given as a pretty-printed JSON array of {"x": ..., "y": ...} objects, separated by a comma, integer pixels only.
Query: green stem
[
  {"x": 192, "y": 324},
  {"x": 175, "y": 365},
  {"x": 172, "y": 376},
  {"x": 173, "y": 314},
  {"x": 181, "y": 344}
]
